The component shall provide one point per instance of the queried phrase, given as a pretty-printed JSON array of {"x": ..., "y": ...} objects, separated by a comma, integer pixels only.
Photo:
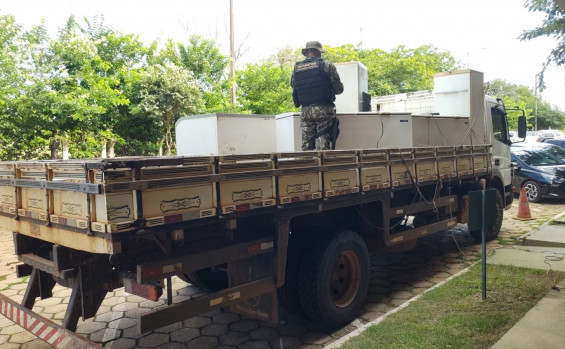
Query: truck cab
[
  {"x": 458, "y": 112},
  {"x": 500, "y": 140}
]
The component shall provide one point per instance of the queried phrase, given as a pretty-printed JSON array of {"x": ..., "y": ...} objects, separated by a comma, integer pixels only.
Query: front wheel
[
  {"x": 334, "y": 279},
  {"x": 492, "y": 232},
  {"x": 533, "y": 191}
]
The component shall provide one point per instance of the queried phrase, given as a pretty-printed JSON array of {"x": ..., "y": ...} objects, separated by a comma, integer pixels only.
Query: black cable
[
  {"x": 382, "y": 130},
  {"x": 552, "y": 259}
]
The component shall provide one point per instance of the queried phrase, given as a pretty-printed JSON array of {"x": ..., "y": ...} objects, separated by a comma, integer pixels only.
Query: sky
[{"x": 481, "y": 34}]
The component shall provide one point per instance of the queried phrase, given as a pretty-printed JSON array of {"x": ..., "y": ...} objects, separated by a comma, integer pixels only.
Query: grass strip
[
  {"x": 454, "y": 314},
  {"x": 22, "y": 280}
]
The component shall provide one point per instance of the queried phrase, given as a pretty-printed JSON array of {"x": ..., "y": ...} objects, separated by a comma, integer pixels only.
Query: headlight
[{"x": 558, "y": 180}]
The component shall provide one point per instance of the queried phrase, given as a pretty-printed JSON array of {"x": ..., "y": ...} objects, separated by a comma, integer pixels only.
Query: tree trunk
[
  {"x": 161, "y": 146},
  {"x": 168, "y": 140},
  {"x": 103, "y": 154},
  {"x": 111, "y": 147},
  {"x": 65, "y": 150},
  {"x": 55, "y": 149}
]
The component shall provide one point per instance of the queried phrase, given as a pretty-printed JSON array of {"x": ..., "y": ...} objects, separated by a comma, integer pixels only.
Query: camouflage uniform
[{"x": 317, "y": 118}]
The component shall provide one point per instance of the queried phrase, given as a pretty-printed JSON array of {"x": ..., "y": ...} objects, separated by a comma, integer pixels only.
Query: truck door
[{"x": 501, "y": 149}]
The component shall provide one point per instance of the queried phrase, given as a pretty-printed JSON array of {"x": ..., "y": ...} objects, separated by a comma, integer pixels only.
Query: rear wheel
[
  {"x": 334, "y": 279},
  {"x": 288, "y": 294},
  {"x": 533, "y": 191}
]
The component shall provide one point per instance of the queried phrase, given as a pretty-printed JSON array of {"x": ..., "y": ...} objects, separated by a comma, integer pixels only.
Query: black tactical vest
[{"x": 312, "y": 84}]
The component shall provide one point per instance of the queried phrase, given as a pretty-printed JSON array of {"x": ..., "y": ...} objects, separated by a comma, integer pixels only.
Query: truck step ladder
[{"x": 43, "y": 328}]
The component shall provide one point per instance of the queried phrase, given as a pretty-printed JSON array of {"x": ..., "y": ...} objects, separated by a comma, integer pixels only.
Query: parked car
[
  {"x": 540, "y": 169},
  {"x": 539, "y": 136},
  {"x": 551, "y": 134},
  {"x": 514, "y": 136},
  {"x": 532, "y": 136},
  {"x": 557, "y": 141}
]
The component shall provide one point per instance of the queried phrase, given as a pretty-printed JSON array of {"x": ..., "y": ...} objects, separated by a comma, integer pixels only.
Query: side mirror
[
  {"x": 522, "y": 127},
  {"x": 515, "y": 165}
]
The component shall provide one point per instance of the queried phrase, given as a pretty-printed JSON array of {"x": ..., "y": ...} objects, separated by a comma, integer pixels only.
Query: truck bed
[{"x": 93, "y": 205}]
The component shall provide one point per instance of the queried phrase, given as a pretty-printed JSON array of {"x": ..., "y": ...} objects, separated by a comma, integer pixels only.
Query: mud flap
[
  {"x": 476, "y": 210},
  {"x": 263, "y": 307}
]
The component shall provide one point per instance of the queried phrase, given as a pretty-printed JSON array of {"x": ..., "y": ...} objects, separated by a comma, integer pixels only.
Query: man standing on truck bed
[{"x": 315, "y": 83}]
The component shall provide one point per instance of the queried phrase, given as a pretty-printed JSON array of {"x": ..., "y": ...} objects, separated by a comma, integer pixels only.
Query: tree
[
  {"x": 398, "y": 71},
  {"x": 10, "y": 36},
  {"x": 126, "y": 58},
  {"x": 81, "y": 90},
  {"x": 92, "y": 88},
  {"x": 549, "y": 116},
  {"x": 203, "y": 58},
  {"x": 167, "y": 93},
  {"x": 67, "y": 94},
  {"x": 265, "y": 89},
  {"x": 87, "y": 90},
  {"x": 137, "y": 132},
  {"x": 344, "y": 53},
  {"x": 19, "y": 49},
  {"x": 522, "y": 97},
  {"x": 10, "y": 59},
  {"x": 553, "y": 26},
  {"x": 286, "y": 57}
]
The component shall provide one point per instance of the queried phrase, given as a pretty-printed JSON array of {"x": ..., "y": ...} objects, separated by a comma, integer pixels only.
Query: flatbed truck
[{"x": 256, "y": 230}]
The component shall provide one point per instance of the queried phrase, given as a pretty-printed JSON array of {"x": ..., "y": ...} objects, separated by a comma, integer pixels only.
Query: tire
[
  {"x": 334, "y": 279},
  {"x": 492, "y": 232},
  {"x": 288, "y": 294},
  {"x": 533, "y": 191},
  {"x": 206, "y": 278}
]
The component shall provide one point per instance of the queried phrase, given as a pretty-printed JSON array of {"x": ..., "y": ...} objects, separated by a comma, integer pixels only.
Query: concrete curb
[{"x": 522, "y": 239}]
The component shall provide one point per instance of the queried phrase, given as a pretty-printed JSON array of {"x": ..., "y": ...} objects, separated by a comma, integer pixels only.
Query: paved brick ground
[{"x": 395, "y": 279}]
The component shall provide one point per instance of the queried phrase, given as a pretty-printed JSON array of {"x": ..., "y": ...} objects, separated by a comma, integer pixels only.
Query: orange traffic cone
[{"x": 523, "y": 207}]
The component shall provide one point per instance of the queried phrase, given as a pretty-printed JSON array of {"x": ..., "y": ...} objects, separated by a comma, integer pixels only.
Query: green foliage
[
  {"x": 398, "y": 71},
  {"x": 89, "y": 88},
  {"x": 94, "y": 89},
  {"x": 78, "y": 90},
  {"x": 167, "y": 93},
  {"x": 265, "y": 89},
  {"x": 203, "y": 58},
  {"x": 553, "y": 26},
  {"x": 10, "y": 34},
  {"x": 86, "y": 86},
  {"x": 286, "y": 57},
  {"x": 344, "y": 53},
  {"x": 10, "y": 37},
  {"x": 549, "y": 117},
  {"x": 125, "y": 57},
  {"x": 522, "y": 97},
  {"x": 71, "y": 94}
]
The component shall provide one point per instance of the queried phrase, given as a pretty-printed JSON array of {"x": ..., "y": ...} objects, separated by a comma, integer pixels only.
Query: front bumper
[{"x": 554, "y": 190}]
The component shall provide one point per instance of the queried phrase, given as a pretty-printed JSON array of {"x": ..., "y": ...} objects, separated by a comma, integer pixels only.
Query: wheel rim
[
  {"x": 531, "y": 191},
  {"x": 345, "y": 279}
]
